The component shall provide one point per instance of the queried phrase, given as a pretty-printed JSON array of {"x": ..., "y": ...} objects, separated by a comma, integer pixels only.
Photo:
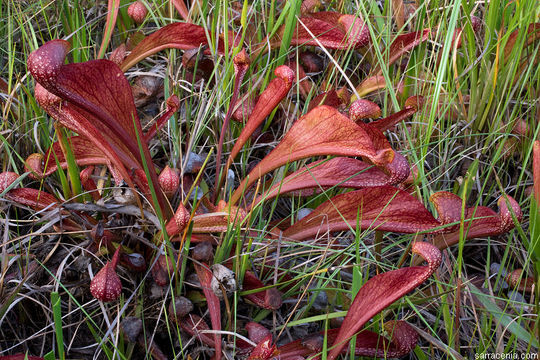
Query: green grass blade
[
  {"x": 501, "y": 317},
  {"x": 57, "y": 316}
]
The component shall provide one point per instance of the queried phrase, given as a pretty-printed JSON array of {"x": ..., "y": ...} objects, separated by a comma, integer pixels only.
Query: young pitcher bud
[
  {"x": 169, "y": 181},
  {"x": 364, "y": 109},
  {"x": 6, "y": 179},
  {"x": 179, "y": 221},
  {"x": 137, "y": 12},
  {"x": 106, "y": 285}
]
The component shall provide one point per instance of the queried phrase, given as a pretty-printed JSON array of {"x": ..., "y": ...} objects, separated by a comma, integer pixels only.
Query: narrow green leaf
[
  {"x": 112, "y": 14},
  {"x": 290, "y": 25},
  {"x": 57, "y": 315},
  {"x": 506, "y": 321}
]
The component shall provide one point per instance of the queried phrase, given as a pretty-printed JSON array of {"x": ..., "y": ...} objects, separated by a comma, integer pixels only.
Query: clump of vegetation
[{"x": 356, "y": 141}]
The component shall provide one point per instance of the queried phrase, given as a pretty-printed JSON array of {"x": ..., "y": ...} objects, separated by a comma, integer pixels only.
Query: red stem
[{"x": 172, "y": 106}]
